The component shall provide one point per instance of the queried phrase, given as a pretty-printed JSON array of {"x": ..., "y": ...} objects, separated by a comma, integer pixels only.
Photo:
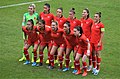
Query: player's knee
[
  {"x": 40, "y": 50},
  {"x": 34, "y": 50},
  {"x": 25, "y": 49},
  {"x": 67, "y": 56},
  {"x": 83, "y": 59},
  {"x": 76, "y": 59},
  {"x": 98, "y": 53}
]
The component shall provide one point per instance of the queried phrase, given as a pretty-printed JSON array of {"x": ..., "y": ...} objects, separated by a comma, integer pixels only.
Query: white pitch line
[{"x": 22, "y": 4}]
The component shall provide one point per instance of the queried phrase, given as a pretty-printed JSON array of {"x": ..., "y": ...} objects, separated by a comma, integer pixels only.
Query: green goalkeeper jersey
[{"x": 27, "y": 16}]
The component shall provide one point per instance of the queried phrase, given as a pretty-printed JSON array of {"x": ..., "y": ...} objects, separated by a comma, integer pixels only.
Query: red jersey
[
  {"x": 57, "y": 37},
  {"x": 82, "y": 41},
  {"x": 70, "y": 39},
  {"x": 60, "y": 21},
  {"x": 32, "y": 35},
  {"x": 86, "y": 25},
  {"x": 96, "y": 32},
  {"x": 73, "y": 23},
  {"x": 47, "y": 18},
  {"x": 45, "y": 35}
]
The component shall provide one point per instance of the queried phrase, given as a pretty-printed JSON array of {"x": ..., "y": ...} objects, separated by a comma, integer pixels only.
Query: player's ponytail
[
  {"x": 72, "y": 10},
  {"x": 99, "y": 13},
  {"x": 61, "y": 9}
]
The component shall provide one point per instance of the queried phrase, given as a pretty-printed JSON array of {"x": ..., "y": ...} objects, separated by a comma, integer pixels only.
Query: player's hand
[
  {"x": 25, "y": 41},
  {"x": 99, "y": 44},
  {"x": 88, "y": 52}
]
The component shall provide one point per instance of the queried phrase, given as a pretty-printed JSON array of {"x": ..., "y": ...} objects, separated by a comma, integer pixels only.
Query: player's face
[
  {"x": 53, "y": 26},
  {"x": 71, "y": 15},
  {"x": 59, "y": 12},
  {"x": 84, "y": 13},
  {"x": 45, "y": 8},
  {"x": 76, "y": 32},
  {"x": 29, "y": 25},
  {"x": 30, "y": 9},
  {"x": 96, "y": 18},
  {"x": 41, "y": 25},
  {"x": 66, "y": 27}
]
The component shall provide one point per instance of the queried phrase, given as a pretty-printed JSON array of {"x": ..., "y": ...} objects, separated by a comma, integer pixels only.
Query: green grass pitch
[{"x": 11, "y": 42}]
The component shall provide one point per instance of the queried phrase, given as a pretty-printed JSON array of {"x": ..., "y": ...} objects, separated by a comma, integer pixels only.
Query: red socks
[
  {"x": 35, "y": 54},
  {"x": 67, "y": 60},
  {"x": 84, "y": 66},
  {"x": 55, "y": 55},
  {"x": 94, "y": 61},
  {"x": 60, "y": 61},
  {"x": 77, "y": 64},
  {"x": 26, "y": 54},
  {"x": 41, "y": 56},
  {"x": 90, "y": 60},
  {"x": 51, "y": 60}
]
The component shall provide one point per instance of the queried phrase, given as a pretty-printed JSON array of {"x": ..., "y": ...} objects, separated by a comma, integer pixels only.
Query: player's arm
[
  {"x": 24, "y": 20},
  {"x": 102, "y": 35},
  {"x": 24, "y": 34},
  {"x": 38, "y": 18},
  {"x": 88, "y": 47}
]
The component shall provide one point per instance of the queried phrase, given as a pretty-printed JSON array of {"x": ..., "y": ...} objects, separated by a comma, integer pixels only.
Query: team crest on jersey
[
  {"x": 60, "y": 20},
  {"x": 48, "y": 16},
  {"x": 74, "y": 22},
  {"x": 87, "y": 22},
  {"x": 35, "y": 18},
  {"x": 97, "y": 26}
]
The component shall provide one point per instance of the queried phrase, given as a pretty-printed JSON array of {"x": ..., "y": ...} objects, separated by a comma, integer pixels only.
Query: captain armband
[{"x": 102, "y": 29}]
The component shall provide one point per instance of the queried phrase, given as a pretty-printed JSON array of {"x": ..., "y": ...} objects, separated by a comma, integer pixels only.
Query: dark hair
[
  {"x": 42, "y": 21},
  {"x": 86, "y": 9},
  {"x": 79, "y": 28},
  {"x": 68, "y": 23},
  {"x": 60, "y": 9},
  {"x": 72, "y": 10},
  {"x": 32, "y": 22},
  {"x": 99, "y": 13},
  {"x": 48, "y": 5},
  {"x": 55, "y": 22}
]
